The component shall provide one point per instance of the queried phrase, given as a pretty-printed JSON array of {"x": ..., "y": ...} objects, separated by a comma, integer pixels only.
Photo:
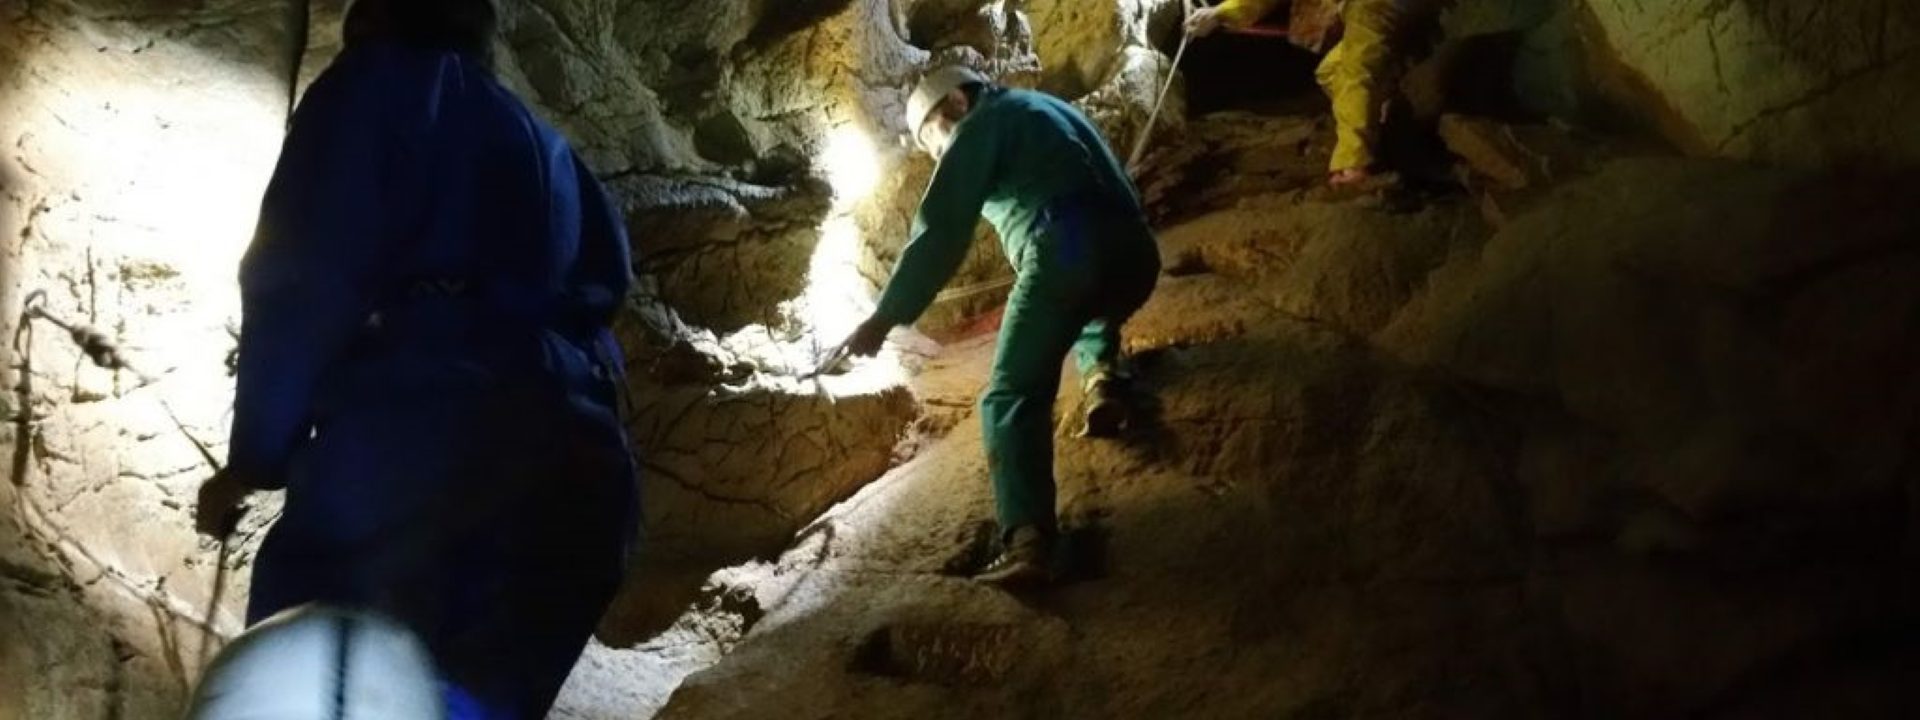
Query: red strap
[{"x": 1272, "y": 31}]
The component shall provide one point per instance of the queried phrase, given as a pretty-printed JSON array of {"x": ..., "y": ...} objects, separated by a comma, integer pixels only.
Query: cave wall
[
  {"x": 137, "y": 138},
  {"x": 1807, "y": 84},
  {"x": 1803, "y": 84}
]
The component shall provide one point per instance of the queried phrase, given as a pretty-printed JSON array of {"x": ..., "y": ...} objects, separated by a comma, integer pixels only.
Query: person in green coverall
[{"x": 1071, "y": 223}]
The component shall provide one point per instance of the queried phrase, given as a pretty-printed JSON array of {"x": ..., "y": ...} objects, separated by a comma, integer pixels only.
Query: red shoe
[{"x": 1348, "y": 178}]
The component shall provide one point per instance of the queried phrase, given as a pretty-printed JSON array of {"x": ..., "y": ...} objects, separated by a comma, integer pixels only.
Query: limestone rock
[
  {"x": 1215, "y": 162},
  {"x": 725, "y": 253},
  {"x": 1578, "y": 468},
  {"x": 1667, "y": 326},
  {"x": 864, "y": 587},
  {"x": 54, "y": 663},
  {"x": 758, "y": 462},
  {"x": 1320, "y": 260},
  {"x": 139, "y": 140},
  {"x": 1764, "y": 79},
  {"x": 1637, "y": 442},
  {"x": 1080, "y": 44},
  {"x": 1490, "y": 151}
]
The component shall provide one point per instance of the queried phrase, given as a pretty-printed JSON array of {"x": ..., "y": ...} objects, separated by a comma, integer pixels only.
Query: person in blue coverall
[
  {"x": 1071, "y": 223},
  {"x": 426, "y": 365}
]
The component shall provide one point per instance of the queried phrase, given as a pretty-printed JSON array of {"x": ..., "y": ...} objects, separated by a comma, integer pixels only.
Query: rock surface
[
  {"x": 1770, "y": 80},
  {"x": 1572, "y": 467},
  {"x": 1599, "y": 438},
  {"x": 137, "y": 140}
]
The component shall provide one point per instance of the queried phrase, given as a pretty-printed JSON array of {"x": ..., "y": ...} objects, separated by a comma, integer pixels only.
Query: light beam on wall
[
  {"x": 837, "y": 296},
  {"x": 136, "y": 157},
  {"x": 836, "y": 299}
]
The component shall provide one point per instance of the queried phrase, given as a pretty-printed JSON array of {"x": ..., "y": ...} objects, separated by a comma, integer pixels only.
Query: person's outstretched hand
[
  {"x": 220, "y": 506},
  {"x": 1203, "y": 22},
  {"x": 867, "y": 339}
]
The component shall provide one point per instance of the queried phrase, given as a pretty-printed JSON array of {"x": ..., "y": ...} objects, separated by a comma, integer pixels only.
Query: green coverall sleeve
[
  {"x": 1244, "y": 13},
  {"x": 943, "y": 228}
]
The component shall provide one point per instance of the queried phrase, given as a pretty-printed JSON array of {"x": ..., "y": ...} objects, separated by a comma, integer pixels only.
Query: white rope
[{"x": 1146, "y": 131}]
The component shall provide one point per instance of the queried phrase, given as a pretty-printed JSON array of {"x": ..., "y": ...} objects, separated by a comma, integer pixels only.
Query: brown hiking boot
[
  {"x": 1026, "y": 561},
  {"x": 1106, "y": 405}
]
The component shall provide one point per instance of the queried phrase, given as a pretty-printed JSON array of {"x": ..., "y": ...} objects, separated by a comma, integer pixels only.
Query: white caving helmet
[
  {"x": 933, "y": 88},
  {"x": 317, "y": 663}
]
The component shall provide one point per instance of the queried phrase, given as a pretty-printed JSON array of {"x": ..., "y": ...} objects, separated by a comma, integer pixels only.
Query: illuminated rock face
[
  {"x": 138, "y": 139},
  {"x": 755, "y": 147}
]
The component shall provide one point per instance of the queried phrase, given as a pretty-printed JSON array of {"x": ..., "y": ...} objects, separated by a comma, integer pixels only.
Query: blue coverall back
[{"x": 425, "y": 362}]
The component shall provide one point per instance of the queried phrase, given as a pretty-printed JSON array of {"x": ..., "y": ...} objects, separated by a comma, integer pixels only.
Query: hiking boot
[
  {"x": 1106, "y": 404},
  {"x": 1024, "y": 562}
]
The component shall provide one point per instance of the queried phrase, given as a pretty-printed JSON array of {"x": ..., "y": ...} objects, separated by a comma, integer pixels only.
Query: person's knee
[
  {"x": 997, "y": 399},
  {"x": 1328, "y": 72},
  {"x": 1006, "y": 399},
  {"x": 1346, "y": 77}
]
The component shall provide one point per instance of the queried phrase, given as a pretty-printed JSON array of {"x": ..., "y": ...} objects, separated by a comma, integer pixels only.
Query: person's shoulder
[
  {"x": 1030, "y": 100},
  {"x": 1021, "y": 96},
  {"x": 365, "y": 74},
  {"x": 387, "y": 64},
  {"x": 368, "y": 61},
  {"x": 1003, "y": 101}
]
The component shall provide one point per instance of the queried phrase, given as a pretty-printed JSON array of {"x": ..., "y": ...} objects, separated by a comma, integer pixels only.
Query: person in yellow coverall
[{"x": 1358, "y": 75}]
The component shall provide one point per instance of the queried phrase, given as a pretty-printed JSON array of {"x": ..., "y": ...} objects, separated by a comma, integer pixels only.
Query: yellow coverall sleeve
[{"x": 1244, "y": 13}]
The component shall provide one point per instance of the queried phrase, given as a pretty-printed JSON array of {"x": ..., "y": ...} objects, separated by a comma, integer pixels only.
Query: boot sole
[{"x": 1018, "y": 575}]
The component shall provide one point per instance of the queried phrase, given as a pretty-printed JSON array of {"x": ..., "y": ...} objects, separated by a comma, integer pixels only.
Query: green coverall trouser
[{"x": 1057, "y": 306}]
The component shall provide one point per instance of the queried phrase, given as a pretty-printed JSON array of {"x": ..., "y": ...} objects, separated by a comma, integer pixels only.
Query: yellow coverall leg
[{"x": 1359, "y": 76}]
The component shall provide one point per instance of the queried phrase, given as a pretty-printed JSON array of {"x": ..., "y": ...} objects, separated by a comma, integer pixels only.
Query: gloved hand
[
  {"x": 867, "y": 339},
  {"x": 1203, "y": 22},
  {"x": 220, "y": 506}
]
